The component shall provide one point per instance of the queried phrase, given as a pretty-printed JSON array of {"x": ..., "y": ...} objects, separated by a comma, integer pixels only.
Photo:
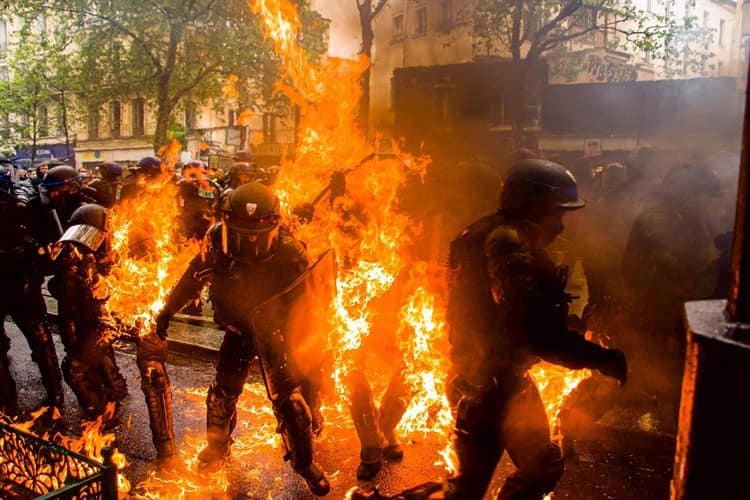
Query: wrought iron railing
[{"x": 33, "y": 467}]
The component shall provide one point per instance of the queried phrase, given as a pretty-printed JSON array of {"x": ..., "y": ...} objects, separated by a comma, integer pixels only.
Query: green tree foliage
[
  {"x": 167, "y": 52},
  {"x": 35, "y": 98}
]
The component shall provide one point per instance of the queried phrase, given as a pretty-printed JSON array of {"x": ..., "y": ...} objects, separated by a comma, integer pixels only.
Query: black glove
[
  {"x": 615, "y": 366},
  {"x": 162, "y": 324},
  {"x": 305, "y": 212}
]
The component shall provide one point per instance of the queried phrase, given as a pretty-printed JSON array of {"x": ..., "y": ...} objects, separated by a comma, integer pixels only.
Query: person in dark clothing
[
  {"x": 670, "y": 246},
  {"x": 197, "y": 197},
  {"x": 250, "y": 259},
  {"x": 23, "y": 261},
  {"x": 87, "y": 328},
  {"x": 62, "y": 191},
  {"x": 109, "y": 184},
  {"x": 142, "y": 173},
  {"x": 507, "y": 310}
]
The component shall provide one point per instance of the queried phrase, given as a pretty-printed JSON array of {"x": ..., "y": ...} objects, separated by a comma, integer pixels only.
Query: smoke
[{"x": 345, "y": 37}]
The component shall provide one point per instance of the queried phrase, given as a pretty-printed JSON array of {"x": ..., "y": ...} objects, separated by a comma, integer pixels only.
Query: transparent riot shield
[{"x": 291, "y": 328}]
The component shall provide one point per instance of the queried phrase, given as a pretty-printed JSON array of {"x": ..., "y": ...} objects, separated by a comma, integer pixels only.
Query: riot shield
[{"x": 291, "y": 329}]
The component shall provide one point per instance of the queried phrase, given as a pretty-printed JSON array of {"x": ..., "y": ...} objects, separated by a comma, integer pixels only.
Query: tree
[
  {"x": 165, "y": 51},
  {"x": 36, "y": 96},
  {"x": 527, "y": 30},
  {"x": 367, "y": 13}
]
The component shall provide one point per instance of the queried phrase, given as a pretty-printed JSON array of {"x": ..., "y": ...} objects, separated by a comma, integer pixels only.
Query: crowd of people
[{"x": 645, "y": 247}]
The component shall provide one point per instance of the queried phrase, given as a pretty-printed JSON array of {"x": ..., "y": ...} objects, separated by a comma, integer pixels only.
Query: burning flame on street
[{"x": 357, "y": 214}]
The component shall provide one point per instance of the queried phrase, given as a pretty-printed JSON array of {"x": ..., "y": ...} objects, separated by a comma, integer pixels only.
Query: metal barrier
[{"x": 33, "y": 467}]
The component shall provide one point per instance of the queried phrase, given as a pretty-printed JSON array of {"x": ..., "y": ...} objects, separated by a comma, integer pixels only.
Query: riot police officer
[
  {"x": 109, "y": 184},
  {"x": 251, "y": 258},
  {"x": 145, "y": 171},
  {"x": 241, "y": 173},
  {"x": 23, "y": 260},
  {"x": 507, "y": 310},
  {"x": 62, "y": 190},
  {"x": 197, "y": 197},
  {"x": 87, "y": 328}
]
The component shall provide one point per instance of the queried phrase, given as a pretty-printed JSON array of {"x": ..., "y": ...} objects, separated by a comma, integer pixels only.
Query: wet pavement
[{"x": 626, "y": 456}]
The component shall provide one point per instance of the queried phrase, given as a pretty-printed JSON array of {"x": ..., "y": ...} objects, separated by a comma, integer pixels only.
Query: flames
[
  {"x": 54, "y": 470},
  {"x": 370, "y": 236},
  {"x": 355, "y": 188},
  {"x": 149, "y": 253}
]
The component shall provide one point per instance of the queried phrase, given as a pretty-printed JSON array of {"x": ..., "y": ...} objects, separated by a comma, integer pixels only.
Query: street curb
[{"x": 196, "y": 351}]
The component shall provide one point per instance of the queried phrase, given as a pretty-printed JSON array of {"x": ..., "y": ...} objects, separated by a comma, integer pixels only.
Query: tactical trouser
[
  {"x": 393, "y": 406},
  {"x": 365, "y": 418},
  {"x": 151, "y": 357},
  {"x": 500, "y": 419},
  {"x": 21, "y": 297},
  {"x": 91, "y": 371},
  {"x": 235, "y": 355},
  {"x": 370, "y": 423}
]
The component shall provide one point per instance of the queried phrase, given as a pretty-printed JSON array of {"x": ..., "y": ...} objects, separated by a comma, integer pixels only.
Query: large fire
[{"x": 354, "y": 186}]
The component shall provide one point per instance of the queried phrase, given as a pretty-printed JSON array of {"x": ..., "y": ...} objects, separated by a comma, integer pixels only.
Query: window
[
  {"x": 719, "y": 68},
  {"x": 421, "y": 26},
  {"x": 115, "y": 117},
  {"x": 43, "y": 125},
  {"x": 722, "y": 29},
  {"x": 138, "y": 117},
  {"x": 3, "y": 36},
  {"x": 191, "y": 115},
  {"x": 446, "y": 15},
  {"x": 650, "y": 6},
  {"x": 93, "y": 124},
  {"x": 705, "y": 19},
  {"x": 269, "y": 128},
  {"x": 398, "y": 25},
  {"x": 41, "y": 26},
  {"x": 231, "y": 117},
  {"x": 499, "y": 117}
]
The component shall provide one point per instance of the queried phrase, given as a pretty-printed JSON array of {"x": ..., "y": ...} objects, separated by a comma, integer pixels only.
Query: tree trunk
[
  {"x": 368, "y": 37},
  {"x": 519, "y": 96},
  {"x": 34, "y": 131},
  {"x": 163, "y": 111},
  {"x": 64, "y": 110}
]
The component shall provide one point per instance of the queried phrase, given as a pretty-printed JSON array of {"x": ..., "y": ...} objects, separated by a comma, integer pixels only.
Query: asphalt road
[{"x": 625, "y": 457}]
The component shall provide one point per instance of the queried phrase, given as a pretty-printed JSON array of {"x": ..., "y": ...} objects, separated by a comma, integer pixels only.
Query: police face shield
[
  {"x": 87, "y": 238},
  {"x": 251, "y": 240}
]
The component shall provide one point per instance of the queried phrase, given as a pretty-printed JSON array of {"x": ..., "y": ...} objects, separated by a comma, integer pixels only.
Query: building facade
[{"x": 417, "y": 33}]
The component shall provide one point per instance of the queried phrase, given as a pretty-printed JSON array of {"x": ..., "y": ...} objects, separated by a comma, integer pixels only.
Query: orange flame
[{"x": 149, "y": 253}]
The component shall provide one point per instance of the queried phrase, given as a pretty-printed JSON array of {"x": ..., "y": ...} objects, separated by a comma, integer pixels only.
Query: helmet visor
[
  {"x": 84, "y": 235},
  {"x": 251, "y": 244}
]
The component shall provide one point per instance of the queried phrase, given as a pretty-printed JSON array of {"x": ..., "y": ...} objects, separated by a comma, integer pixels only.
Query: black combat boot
[{"x": 221, "y": 417}]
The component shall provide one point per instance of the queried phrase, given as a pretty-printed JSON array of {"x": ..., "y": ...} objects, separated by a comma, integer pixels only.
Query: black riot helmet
[
  {"x": 88, "y": 228},
  {"x": 148, "y": 165},
  {"x": 535, "y": 186},
  {"x": 109, "y": 170},
  {"x": 58, "y": 182},
  {"x": 241, "y": 173},
  {"x": 251, "y": 217}
]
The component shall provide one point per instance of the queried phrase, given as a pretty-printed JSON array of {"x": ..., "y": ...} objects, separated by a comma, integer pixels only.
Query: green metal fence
[{"x": 35, "y": 468}]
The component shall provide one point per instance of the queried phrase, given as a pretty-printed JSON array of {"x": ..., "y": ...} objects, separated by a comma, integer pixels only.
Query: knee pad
[{"x": 153, "y": 376}]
